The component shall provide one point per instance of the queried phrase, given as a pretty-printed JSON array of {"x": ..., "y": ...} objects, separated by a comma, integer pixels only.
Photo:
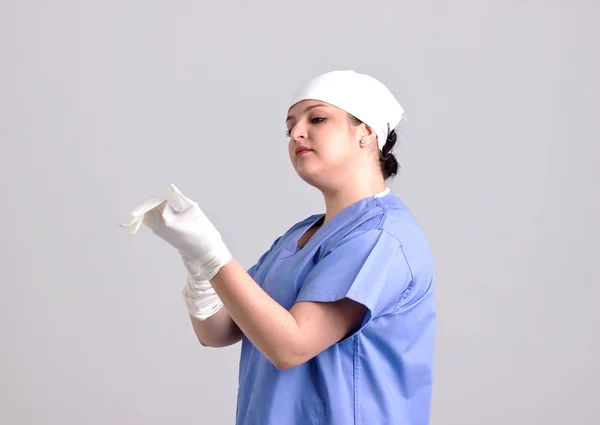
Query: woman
[{"x": 337, "y": 318}]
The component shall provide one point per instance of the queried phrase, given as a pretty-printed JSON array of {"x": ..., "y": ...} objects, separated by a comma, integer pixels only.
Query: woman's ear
[{"x": 367, "y": 135}]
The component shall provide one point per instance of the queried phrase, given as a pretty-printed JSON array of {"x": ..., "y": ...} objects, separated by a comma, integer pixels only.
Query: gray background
[{"x": 103, "y": 104}]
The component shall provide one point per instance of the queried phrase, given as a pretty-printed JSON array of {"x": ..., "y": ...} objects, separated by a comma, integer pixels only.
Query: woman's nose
[{"x": 298, "y": 132}]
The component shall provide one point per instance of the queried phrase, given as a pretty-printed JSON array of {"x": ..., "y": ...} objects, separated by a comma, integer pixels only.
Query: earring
[{"x": 362, "y": 141}]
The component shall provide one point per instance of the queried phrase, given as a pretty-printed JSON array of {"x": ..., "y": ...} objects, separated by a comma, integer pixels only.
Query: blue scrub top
[{"x": 375, "y": 253}]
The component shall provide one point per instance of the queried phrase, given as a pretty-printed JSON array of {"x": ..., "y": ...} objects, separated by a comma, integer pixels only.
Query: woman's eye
[{"x": 315, "y": 120}]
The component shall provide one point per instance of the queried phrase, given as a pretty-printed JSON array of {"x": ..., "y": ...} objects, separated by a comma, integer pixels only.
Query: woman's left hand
[{"x": 187, "y": 229}]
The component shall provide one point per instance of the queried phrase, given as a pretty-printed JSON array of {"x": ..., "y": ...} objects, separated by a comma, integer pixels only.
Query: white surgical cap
[{"x": 358, "y": 94}]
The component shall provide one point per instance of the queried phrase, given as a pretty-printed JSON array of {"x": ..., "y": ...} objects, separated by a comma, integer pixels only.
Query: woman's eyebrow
[{"x": 308, "y": 108}]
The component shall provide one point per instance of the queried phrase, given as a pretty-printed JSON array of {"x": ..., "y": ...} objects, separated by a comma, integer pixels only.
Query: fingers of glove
[
  {"x": 139, "y": 211},
  {"x": 189, "y": 210},
  {"x": 133, "y": 223},
  {"x": 154, "y": 218},
  {"x": 168, "y": 213},
  {"x": 137, "y": 216},
  {"x": 142, "y": 209},
  {"x": 136, "y": 226},
  {"x": 182, "y": 201}
]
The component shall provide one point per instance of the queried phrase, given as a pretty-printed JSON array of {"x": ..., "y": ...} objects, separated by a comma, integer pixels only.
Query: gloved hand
[
  {"x": 187, "y": 229},
  {"x": 201, "y": 299}
]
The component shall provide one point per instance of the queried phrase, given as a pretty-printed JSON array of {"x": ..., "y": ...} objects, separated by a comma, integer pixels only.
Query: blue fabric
[{"x": 375, "y": 253}]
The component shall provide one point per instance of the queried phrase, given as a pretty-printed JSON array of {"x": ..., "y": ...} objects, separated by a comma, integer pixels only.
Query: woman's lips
[{"x": 303, "y": 151}]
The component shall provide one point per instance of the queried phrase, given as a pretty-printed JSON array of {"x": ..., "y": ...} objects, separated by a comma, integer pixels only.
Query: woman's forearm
[
  {"x": 219, "y": 330},
  {"x": 270, "y": 327}
]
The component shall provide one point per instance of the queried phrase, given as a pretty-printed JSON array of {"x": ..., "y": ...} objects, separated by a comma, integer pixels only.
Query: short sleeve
[{"x": 359, "y": 267}]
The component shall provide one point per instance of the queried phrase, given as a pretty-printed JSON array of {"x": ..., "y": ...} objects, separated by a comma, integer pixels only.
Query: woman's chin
[{"x": 309, "y": 176}]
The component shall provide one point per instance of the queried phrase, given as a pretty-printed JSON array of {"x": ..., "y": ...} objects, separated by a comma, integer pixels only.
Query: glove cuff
[{"x": 208, "y": 266}]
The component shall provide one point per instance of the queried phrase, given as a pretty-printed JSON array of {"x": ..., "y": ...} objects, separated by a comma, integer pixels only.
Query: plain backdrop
[{"x": 103, "y": 104}]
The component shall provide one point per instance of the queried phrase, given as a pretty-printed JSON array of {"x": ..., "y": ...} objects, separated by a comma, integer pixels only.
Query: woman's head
[{"x": 341, "y": 127}]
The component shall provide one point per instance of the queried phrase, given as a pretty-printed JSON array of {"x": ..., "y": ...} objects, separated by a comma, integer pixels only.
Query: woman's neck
[{"x": 341, "y": 198}]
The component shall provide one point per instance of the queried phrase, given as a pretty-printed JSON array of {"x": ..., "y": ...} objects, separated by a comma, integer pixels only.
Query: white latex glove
[
  {"x": 187, "y": 229},
  {"x": 201, "y": 299},
  {"x": 137, "y": 215}
]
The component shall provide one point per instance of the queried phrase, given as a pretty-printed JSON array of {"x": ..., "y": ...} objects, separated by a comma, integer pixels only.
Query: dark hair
[{"x": 387, "y": 161}]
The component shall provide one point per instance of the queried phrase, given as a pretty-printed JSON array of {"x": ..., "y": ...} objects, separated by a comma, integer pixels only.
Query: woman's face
[{"x": 324, "y": 144}]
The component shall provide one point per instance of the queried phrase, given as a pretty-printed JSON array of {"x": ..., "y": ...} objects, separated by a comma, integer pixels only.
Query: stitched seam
[
  {"x": 384, "y": 210},
  {"x": 389, "y": 234},
  {"x": 321, "y": 405},
  {"x": 356, "y": 413},
  {"x": 403, "y": 296},
  {"x": 412, "y": 279}
]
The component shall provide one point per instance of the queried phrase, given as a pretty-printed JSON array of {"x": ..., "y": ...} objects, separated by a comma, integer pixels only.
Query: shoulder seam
[
  {"x": 411, "y": 284},
  {"x": 383, "y": 212}
]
